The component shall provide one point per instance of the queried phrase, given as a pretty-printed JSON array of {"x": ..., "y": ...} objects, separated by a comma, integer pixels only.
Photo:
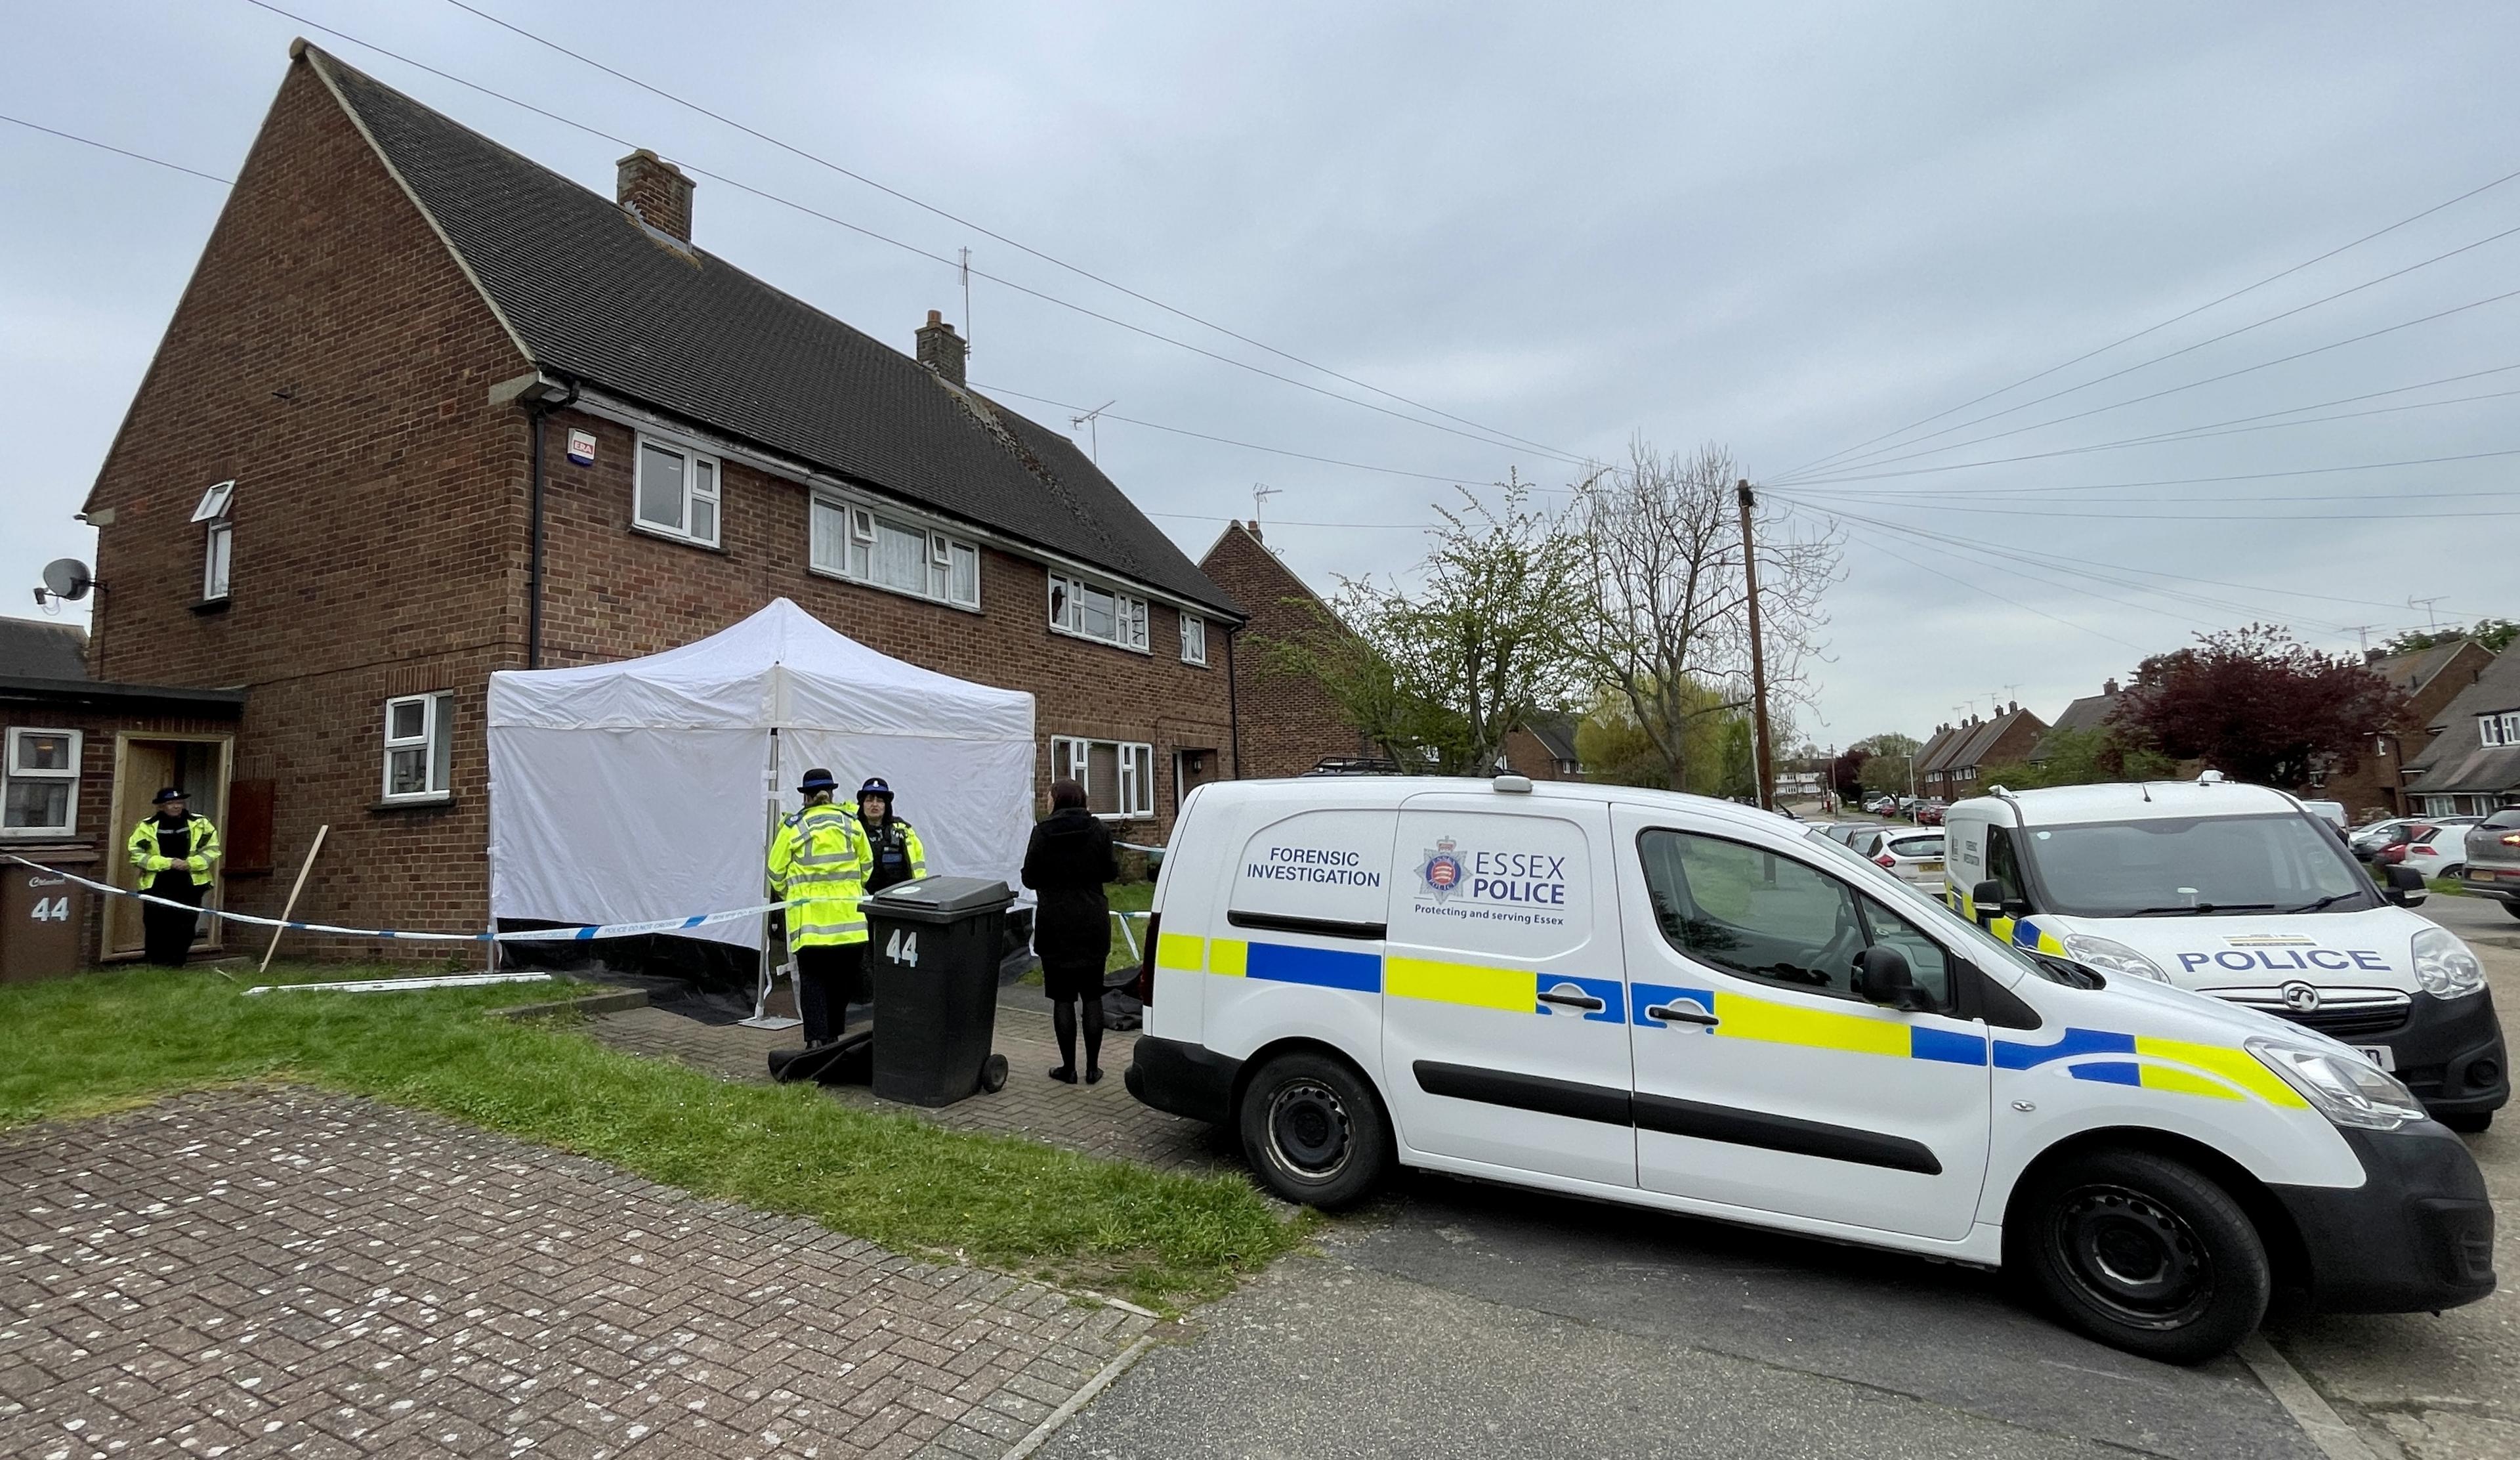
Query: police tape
[{"x": 579, "y": 934}]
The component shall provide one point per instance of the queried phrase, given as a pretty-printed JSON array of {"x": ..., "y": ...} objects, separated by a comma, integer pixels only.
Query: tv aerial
[{"x": 65, "y": 581}]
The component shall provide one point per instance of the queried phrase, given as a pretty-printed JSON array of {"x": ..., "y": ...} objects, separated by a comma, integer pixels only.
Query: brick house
[
  {"x": 427, "y": 409},
  {"x": 1288, "y": 722},
  {"x": 2430, "y": 678},
  {"x": 2090, "y": 712},
  {"x": 1544, "y": 750},
  {"x": 1953, "y": 772}
]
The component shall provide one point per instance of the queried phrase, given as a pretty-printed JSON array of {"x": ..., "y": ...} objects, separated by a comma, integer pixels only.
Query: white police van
[
  {"x": 2246, "y": 894},
  {"x": 1683, "y": 1004}
]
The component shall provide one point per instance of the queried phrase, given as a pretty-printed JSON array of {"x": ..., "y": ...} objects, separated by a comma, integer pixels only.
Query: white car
[
  {"x": 1911, "y": 853},
  {"x": 2439, "y": 849},
  {"x": 1687, "y": 1006},
  {"x": 2237, "y": 891},
  {"x": 2371, "y": 840}
]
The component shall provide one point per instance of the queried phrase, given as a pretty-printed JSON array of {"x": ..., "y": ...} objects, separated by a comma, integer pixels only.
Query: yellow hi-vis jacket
[
  {"x": 203, "y": 843},
  {"x": 818, "y": 863}
]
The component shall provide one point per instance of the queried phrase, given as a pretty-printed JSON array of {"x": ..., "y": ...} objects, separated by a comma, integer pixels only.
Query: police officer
[
  {"x": 172, "y": 852},
  {"x": 818, "y": 864},
  {"x": 893, "y": 842}
]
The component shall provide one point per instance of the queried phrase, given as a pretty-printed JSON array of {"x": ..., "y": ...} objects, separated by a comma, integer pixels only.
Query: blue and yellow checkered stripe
[
  {"x": 2021, "y": 933},
  {"x": 2101, "y": 1056}
]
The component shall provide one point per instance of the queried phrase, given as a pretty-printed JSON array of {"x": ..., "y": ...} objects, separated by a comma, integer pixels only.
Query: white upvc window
[
  {"x": 677, "y": 492},
  {"x": 1193, "y": 638},
  {"x": 218, "y": 540},
  {"x": 1118, "y": 776},
  {"x": 1091, "y": 611},
  {"x": 419, "y": 748},
  {"x": 42, "y": 773},
  {"x": 865, "y": 546},
  {"x": 2489, "y": 729}
]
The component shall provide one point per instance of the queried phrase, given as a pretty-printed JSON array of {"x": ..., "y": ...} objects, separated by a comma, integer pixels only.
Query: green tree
[
  {"x": 1890, "y": 770},
  {"x": 1439, "y": 674},
  {"x": 2496, "y": 634}
]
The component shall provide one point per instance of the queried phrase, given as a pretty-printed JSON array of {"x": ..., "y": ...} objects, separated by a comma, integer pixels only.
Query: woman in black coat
[{"x": 1069, "y": 860}]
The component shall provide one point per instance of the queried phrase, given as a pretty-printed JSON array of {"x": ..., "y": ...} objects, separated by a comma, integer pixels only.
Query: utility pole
[{"x": 1763, "y": 765}]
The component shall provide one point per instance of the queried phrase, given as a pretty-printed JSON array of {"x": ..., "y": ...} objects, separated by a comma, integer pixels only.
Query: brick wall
[
  {"x": 613, "y": 591},
  {"x": 2375, "y": 784},
  {"x": 1289, "y": 722},
  {"x": 329, "y": 356}
]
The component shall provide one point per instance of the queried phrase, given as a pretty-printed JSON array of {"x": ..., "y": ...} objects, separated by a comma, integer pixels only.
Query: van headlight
[
  {"x": 2110, "y": 956},
  {"x": 2443, "y": 966},
  {"x": 2344, "y": 1089}
]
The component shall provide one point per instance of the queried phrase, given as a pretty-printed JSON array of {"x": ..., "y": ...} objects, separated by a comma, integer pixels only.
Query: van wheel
[
  {"x": 2144, "y": 1253},
  {"x": 1314, "y": 1131}
]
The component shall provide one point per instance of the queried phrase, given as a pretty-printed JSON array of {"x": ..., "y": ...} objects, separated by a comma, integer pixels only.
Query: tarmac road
[{"x": 1469, "y": 1320}]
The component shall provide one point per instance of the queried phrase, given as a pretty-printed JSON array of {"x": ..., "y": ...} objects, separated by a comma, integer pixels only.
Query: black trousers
[
  {"x": 830, "y": 977},
  {"x": 166, "y": 932}
]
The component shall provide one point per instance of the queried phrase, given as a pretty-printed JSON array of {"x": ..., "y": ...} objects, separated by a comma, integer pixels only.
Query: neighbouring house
[
  {"x": 1928, "y": 756},
  {"x": 1544, "y": 750},
  {"x": 428, "y": 409},
  {"x": 1998, "y": 740},
  {"x": 2471, "y": 766},
  {"x": 2090, "y": 712},
  {"x": 1288, "y": 722},
  {"x": 2430, "y": 678},
  {"x": 79, "y": 760}
]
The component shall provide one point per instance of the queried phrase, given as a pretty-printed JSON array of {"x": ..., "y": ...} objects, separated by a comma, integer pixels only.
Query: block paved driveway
[{"x": 289, "y": 1272}]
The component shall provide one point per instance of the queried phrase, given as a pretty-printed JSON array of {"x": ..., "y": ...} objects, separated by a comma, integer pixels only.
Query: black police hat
[
  {"x": 166, "y": 794},
  {"x": 817, "y": 779}
]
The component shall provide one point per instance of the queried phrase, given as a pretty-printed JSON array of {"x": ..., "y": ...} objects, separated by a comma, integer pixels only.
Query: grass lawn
[{"x": 104, "y": 1042}]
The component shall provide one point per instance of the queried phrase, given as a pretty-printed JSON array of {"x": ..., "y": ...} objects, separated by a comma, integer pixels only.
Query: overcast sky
[{"x": 1788, "y": 228}]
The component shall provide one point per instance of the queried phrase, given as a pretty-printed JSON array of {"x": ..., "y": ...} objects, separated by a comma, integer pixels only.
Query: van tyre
[
  {"x": 1315, "y": 1131},
  {"x": 2144, "y": 1253}
]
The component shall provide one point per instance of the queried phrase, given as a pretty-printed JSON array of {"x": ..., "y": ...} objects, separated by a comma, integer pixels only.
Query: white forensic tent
[{"x": 643, "y": 790}]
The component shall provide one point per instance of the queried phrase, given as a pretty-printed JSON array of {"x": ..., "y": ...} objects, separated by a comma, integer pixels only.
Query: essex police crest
[{"x": 1442, "y": 869}]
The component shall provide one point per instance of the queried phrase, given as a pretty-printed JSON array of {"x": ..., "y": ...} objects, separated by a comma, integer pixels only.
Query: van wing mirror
[
  {"x": 1987, "y": 898},
  {"x": 2406, "y": 887},
  {"x": 1882, "y": 976}
]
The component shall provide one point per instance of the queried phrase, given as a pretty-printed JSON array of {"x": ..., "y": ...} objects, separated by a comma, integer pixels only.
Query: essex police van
[
  {"x": 2241, "y": 892},
  {"x": 1681, "y": 1004}
]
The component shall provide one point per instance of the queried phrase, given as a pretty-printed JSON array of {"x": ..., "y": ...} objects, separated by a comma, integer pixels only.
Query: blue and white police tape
[{"x": 578, "y": 933}]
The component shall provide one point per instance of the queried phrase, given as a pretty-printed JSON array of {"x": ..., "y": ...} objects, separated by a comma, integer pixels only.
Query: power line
[
  {"x": 137, "y": 157},
  {"x": 2191, "y": 348},
  {"x": 2210, "y": 380},
  {"x": 1822, "y": 490},
  {"x": 984, "y": 231},
  {"x": 909, "y": 248},
  {"x": 1180, "y": 430},
  {"x": 2002, "y": 598},
  {"x": 1226, "y": 517},
  {"x": 2163, "y": 325}
]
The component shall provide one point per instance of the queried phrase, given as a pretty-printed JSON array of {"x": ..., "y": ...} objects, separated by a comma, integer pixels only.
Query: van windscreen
[{"x": 2195, "y": 866}]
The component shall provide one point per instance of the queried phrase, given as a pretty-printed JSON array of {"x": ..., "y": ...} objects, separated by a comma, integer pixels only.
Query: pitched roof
[
  {"x": 2458, "y": 760},
  {"x": 2411, "y": 670},
  {"x": 591, "y": 294},
  {"x": 2088, "y": 712},
  {"x": 35, "y": 649},
  {"x": 1556, "y": 734},
  {"x": 1979, "y": 741},
  {"x": 1929, "y": 756}
]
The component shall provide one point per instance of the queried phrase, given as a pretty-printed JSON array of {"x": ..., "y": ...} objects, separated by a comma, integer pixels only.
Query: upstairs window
[
  {"x": 677, "y": 492},
  {"x": 41, "y": 796},
  {"x": 866, "y": 547},
  {"x": 419, "y": 748},
  {"x": 1193, "y": 639},
  {"x": 1091, "y": 612},
  {"x": 218, "y": 540},
  {"x": 2489, "y": 729}
]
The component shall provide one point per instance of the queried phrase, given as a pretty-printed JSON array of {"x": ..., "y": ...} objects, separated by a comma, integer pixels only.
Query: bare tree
[{"x": 1662, "y": 619}]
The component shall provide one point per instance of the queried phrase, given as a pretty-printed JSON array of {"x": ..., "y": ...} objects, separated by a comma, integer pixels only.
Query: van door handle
[
  {"x": 1685, "y": 1014},
  {"x": 1583, "y": 1001}
]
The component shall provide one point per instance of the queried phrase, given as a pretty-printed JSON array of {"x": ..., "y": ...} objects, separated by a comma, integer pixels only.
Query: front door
[
  {"x": 1504, "y": 1034},
  {"x": 1762, "y": 1080},
  {"x": 141, "y": 766}
]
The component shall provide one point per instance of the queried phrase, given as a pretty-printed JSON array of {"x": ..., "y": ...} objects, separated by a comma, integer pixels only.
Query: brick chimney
[
  {"x": 656, "y": 191},
  {"x": 2108, "y": 686},
  {"x": 1253, "y": 528},
  {"x": 941, "y": 349}
]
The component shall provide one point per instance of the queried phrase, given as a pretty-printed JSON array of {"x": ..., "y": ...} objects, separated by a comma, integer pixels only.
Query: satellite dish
[{"x": 68, "y": 579}]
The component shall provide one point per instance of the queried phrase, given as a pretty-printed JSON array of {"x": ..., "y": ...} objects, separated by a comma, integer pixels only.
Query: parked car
[
  {"x": 2492, "y": 867},
  {"x": 1882, "y": 805},
  {"x": 1928, "y": 813},
  {"x": 1851, "y": 833},
  {"x": 2371, "y": 840},
  {"x": 1669, "y": 1003},
  {"x": 2436, "y": 848},
  {"x": 2236, "y": 892},
  {"x": 1912, "y": 856}
]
